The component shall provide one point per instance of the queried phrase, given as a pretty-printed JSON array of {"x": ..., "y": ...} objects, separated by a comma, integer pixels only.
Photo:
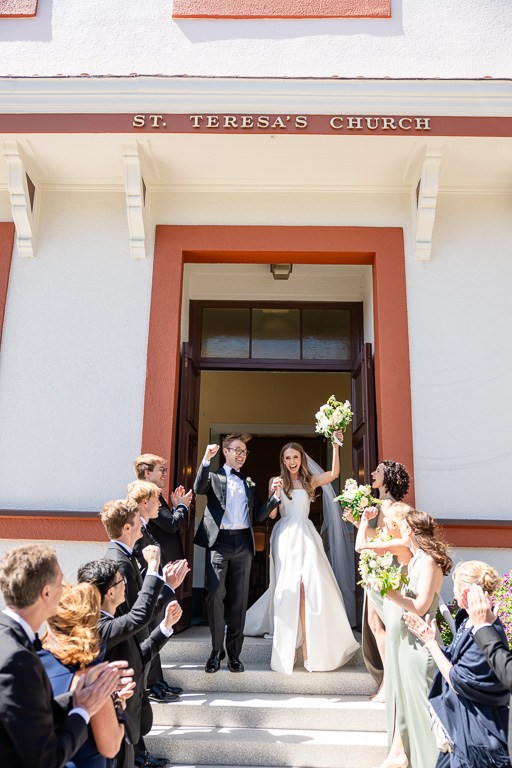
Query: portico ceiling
[{"x": 359, "y": 163}]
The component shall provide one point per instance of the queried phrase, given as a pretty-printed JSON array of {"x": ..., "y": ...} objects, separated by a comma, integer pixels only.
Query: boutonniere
[{"x": 249, "y": 482}]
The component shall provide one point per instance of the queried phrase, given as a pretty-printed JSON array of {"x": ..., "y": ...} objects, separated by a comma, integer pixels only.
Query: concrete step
[
  {"x": 247, "y": 710},
  {"x": 259, "y": 678},
  {"x": 195, "y": 643},
  {"x": 268, "y": 747}
]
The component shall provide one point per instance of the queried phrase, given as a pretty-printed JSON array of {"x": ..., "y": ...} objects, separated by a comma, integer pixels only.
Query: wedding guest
[
  {"x": 119, "y": 634},
  {"x": 409, "y": 667},
  {"x": 37, "y": 729},
  {"x": 491, "y": 642},
  {"x": 391, "y": 480},
  {"x": 72, "y": 647},
  {"x": 467, "y": 696}
]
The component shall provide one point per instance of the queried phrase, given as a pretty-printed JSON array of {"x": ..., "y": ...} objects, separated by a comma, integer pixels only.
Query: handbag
[{"x": 443, "y": 740}]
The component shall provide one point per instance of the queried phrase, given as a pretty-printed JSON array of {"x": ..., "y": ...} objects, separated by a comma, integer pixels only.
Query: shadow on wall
[
  {"x": 39, "y": 28},
  {"x": 207, "y": 30}
]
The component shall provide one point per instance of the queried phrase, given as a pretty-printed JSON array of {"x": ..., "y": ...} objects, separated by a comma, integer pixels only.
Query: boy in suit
[{"x": 226, "y": 533}]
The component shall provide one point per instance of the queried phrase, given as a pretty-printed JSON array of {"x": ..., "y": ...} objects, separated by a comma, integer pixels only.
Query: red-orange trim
[
  {"x": 283, "y": 9},
  {"x": 381, "y": 247},
  {"x": 52, "y": 528},
  {"x": 14, "y": 9},
  {"x": 317, "y": 125},
  {"x": 6, "y": 245},
  {"x": 468, "y": 533}
]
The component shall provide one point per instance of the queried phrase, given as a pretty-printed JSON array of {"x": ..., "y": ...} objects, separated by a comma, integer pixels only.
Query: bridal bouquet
[
  {"x": 333, "y": 416},
  {"x": 378, "y": 572},
  {"x": 356, "y": 498}
]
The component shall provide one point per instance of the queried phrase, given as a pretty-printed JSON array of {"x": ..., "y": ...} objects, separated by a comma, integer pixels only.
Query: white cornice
[{"x": 186, "y": 95}]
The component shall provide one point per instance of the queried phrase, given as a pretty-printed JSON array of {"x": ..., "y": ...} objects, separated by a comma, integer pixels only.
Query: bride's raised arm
[{"x": 333, "y": 474}]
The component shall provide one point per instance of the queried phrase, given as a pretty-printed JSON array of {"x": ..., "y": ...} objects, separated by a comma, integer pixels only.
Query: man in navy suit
[
  {"x": 226, "y": 533},
  {"x": 37, "y": 729}
]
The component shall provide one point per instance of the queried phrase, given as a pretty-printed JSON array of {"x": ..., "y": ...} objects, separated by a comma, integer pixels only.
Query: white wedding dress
[{"x": 296, "y": 552}]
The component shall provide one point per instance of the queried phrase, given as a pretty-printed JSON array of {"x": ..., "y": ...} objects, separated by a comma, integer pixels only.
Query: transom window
[{"x": 276, "y": 336}]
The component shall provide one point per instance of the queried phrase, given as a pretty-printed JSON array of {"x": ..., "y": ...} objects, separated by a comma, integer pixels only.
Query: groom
[{"x": 226, "y": 533}]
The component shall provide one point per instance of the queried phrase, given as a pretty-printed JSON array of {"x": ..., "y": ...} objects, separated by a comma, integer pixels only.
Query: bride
[{"x": 303, "y": 605}]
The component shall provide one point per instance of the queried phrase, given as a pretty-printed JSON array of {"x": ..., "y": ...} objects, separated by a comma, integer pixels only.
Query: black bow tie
[
  {"x": 236, "y": 473},
  {"x": 37, "y": 643}
]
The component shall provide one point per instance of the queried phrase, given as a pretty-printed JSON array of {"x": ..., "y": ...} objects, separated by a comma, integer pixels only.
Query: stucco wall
[{"x": 441, "y": 38}]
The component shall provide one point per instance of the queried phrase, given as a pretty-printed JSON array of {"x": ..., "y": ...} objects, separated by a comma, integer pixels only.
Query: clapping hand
[
  {"x": 210, "y": 452},
  {"x": 480, "y": 606},
  {"x": 182, "y": 497},
  {"x": 151, "y": 555},
  {"x": 93, "y": 689},
  {"x": 174, "y": 573},
  {"x": 173, "y": 613},
  {"x": 425, "y": 630}
]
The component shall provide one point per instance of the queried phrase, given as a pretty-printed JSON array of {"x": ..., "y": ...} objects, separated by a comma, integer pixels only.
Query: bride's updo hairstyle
[
  {"x": 424, "y": 528},
  {"x": 304, "y": 473},
  {"x": 72, "y": 633},
  {"x": 476, "y": 572},
  {"x": 396, "y": 479}
]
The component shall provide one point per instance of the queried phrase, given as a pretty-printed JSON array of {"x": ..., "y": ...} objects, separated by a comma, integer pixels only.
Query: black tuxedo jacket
[
  {"x": 213, "y": 485},
  {"x": 165, "y": 529},
  {"x": 130, "y": 569},
  {"x": 145, "y": 540},
  {"x": 499, "y": 657},
  {"x": 35, "y": 729},
  {"x": 119, "y": 635}
]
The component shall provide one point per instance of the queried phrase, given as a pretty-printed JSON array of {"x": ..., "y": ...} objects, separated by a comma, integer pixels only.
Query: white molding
[
  {"x": 135, "y": 204},
  {"x": 427, "y": 202},
  {"x": 194, "y": 95},
  {"x": 22, "y": 213}
]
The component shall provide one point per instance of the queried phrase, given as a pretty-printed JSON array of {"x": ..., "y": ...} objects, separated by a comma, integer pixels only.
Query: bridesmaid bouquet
[
  {"x": 332, "y": 417},
  {"x": 356, "y": 498},
  {"x": 378, "y": 572}
]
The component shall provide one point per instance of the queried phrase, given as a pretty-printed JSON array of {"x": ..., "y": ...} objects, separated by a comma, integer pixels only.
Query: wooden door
[
  {"x": 364, "y": 453},
  {"x": 186, "y": 466}
]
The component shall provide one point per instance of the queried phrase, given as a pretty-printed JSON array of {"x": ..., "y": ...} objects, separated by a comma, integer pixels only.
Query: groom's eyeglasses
[{"x": 239, "y": 452}]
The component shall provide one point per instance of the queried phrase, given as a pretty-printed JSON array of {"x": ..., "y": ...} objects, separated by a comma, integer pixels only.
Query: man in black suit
[
  {"x": 490, "y": 643},
  {"x": 123, "y": 525},
  {"x": 37, "y": 729},
  {"x": 119, "y": 632},
  {"x": 166, "y": 525},
  {"x": 226, "y": 533}
]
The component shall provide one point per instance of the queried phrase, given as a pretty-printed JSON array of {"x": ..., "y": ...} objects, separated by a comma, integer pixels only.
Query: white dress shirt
[
  {"x": 236, "y": 516},
  {"x": 32, "y": 636}
]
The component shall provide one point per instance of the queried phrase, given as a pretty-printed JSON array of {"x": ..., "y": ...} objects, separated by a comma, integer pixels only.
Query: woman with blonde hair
[
  {"x": 467, "y": 697},
  {"x": 72, "y": 648},
  {"x": 303, "y": 605}
]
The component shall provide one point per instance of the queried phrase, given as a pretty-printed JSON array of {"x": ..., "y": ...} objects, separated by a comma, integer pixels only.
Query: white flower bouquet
[
  {"x": 378, "y": 572},
  {"x": 332, "y": 417},
  {"x": 356, "y": 498}
]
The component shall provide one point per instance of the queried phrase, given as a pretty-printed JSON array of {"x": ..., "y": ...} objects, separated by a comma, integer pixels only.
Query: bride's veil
[{"x": 341, "y": 548}]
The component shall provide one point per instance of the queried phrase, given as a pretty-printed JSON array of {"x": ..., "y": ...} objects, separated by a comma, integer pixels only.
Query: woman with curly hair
[
  {"x": 303, "y": 605},
  {"x": 72, "y": 648},
  {"x": 409, "y": 665},
  {"x": 391, "y": 480}
]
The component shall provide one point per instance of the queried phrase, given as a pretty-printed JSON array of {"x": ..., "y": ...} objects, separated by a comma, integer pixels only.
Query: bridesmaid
[
  {"x": 409, "y": 666},
  {"x": 391, "y": 479}
]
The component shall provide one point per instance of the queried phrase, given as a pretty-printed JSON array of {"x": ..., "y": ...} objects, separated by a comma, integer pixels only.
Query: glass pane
[
  {"x": 276, "y": 333},
  {"x": 326, "y": 334},
  {"x": 226, "y": 332}
]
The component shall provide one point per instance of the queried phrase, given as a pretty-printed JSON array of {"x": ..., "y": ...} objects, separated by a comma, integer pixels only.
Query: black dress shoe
[
  {"x": 214, "y": 660},
  {"x": 235, "y": 665},
  {"x": 166, "y": 688},
  {"x": 157, "y": 694},
  {"x": 152, "y": 761}
]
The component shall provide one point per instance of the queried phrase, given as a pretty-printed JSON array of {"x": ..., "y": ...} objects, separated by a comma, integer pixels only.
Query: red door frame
[{"x": 380, "y": 247}]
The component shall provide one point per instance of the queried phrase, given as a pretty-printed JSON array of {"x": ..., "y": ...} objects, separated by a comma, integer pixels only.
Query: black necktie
[
  {"x": 37, "y": 643},
  {"x": 236, "y": 473}
]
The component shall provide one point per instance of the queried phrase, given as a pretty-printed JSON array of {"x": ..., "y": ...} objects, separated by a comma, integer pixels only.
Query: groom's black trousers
[{"x": 228, "y": 562}]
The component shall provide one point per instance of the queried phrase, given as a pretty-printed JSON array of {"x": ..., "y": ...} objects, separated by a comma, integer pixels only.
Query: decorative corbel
[
  {"x": 426, "y": 203},
  {"x": 22, "y": 193},
  {"x": 135, "y": 200}
]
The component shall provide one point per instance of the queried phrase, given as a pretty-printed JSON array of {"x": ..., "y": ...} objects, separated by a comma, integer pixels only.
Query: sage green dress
[
  {"x": 370, "y": 649},
  {"x": 409, "y": 673}
]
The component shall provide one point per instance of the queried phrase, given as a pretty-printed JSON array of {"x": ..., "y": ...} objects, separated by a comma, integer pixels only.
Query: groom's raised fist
[{"x": 210, "y": 452}]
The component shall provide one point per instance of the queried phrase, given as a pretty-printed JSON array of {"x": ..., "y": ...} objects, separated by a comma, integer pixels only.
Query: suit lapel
[
  {"x": 223, "y": 481},
  {"x": 18, "y": 631}
]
